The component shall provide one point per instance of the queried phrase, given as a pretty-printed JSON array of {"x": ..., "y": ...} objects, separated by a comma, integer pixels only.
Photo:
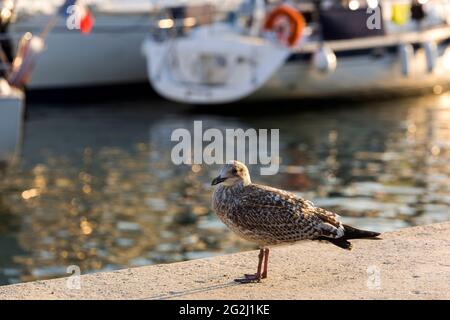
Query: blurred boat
[
  {"x": 109, "y": 55},
  {"x": 11, "y": 121},
  {"x": 15, "y": 73},
  {"x": 306, "y": 50}
]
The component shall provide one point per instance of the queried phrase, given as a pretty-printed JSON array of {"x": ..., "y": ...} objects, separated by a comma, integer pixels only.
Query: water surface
[{"x": 96, "y": 187}]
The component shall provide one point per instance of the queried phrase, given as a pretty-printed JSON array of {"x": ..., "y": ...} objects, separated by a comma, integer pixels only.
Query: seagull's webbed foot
[
  {"x": 256, "y": 277},
  {"x": 250, "y": 278}
]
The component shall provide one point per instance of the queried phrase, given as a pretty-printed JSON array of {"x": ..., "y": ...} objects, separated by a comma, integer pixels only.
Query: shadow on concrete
[{"x": 192, "y": 291}]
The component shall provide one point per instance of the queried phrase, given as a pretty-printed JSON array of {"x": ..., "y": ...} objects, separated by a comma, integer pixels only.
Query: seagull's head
[{"x": 233, "y": 173}]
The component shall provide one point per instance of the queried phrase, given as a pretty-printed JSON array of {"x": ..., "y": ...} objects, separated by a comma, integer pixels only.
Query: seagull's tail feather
[{"x": 353, "y": 233}]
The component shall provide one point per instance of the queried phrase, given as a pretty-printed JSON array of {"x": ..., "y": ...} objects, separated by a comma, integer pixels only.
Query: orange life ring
[{"x": 293, "y": 17}]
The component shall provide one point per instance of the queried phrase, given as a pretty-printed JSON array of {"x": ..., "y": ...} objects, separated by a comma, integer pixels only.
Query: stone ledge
[{"x": 413, "y": 263}]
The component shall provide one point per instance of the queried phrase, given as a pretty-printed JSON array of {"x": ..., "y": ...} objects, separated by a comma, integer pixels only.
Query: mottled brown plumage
[{"x": 269, "y": 216}]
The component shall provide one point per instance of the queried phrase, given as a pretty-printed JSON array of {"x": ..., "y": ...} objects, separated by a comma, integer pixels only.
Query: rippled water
[{"x": 96, "y": 187}]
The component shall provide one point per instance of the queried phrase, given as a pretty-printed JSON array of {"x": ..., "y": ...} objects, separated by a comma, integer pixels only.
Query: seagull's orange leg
[
  {"x": 254, "y": 277},
  {"x": 266, "y": 263}
]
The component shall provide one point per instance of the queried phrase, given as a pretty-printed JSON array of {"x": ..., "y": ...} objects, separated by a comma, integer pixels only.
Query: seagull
[{"x": 268, "y": 216}]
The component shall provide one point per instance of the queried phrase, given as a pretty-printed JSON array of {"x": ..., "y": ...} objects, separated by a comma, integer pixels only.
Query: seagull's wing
[{"x": 283, "y": 216}]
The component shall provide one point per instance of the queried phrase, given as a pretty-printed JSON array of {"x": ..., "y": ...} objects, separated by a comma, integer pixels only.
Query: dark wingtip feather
[
  {"x": 353, "y": 233},
  {"x": 341, "y": 243}
]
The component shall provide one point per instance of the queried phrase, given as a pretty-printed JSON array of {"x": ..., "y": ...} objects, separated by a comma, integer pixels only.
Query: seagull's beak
[{"x": 218, "y": 180}]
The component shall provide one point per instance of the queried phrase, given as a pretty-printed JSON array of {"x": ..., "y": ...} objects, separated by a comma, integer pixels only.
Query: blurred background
[{"x": 86, "y": 176}]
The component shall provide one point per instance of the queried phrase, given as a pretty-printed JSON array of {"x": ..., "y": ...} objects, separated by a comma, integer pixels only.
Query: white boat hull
[
  {"x": 109, "y": 55},
  {"x": 355, "y": 75},
  {"x": 222, "y": 71},
  {"x": 11, "y": 122}
]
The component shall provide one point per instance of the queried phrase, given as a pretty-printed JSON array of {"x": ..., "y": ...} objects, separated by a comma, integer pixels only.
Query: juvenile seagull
[{"x": 269, "y": 216}]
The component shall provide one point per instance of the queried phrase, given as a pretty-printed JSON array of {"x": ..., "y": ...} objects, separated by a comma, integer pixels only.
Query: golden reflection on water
[{"x": 105, "y": 205}]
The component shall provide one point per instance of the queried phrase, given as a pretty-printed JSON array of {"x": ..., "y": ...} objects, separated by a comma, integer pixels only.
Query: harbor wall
[{"x": 411, "y": 263}]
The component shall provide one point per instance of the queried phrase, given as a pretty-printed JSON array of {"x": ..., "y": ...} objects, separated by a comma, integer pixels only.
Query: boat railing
[{"x": 180, "y": 21}]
